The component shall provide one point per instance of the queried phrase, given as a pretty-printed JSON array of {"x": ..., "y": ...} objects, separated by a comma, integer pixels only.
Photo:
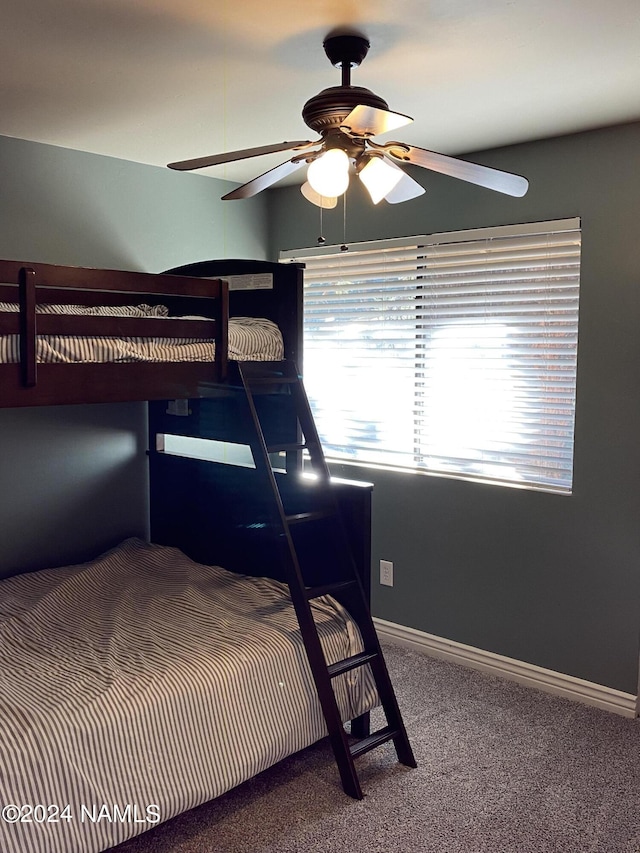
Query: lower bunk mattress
[{"x": 141, "y": 684}]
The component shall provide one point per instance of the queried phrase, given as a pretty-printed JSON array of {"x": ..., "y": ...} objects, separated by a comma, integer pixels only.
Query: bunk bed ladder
[{"x": 283, "y": 378}]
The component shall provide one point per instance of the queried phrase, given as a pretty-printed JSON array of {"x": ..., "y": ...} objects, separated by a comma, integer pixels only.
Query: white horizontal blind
[{"x": 452, "y": 353}]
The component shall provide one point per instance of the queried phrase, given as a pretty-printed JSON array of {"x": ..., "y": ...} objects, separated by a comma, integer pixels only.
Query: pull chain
[
  {"x": 344, "y": 247},
  {"x": 321, "y": 238}
]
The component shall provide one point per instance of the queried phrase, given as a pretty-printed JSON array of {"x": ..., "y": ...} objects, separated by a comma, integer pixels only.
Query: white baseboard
[{"x": 527, "y": 674}]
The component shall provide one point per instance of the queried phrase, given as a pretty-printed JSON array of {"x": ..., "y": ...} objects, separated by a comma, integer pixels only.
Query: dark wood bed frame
[
  {"x": 204, "y": 508},
  {"x": 189, "y": 498},
  {"x": 201, "y": 293}
]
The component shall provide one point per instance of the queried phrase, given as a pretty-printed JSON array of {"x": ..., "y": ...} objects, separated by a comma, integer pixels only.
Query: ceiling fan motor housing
[{"x": 328, "y": 109}]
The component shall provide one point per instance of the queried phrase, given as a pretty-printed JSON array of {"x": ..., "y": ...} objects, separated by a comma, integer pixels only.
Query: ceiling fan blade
[
  {"x": 231, "y": 156},
  {"x": 405, "y": 189},
  {"x": 484, "y": 176},
  {"x": 371, "y": 121},
  {"x": 265, "y": 180}
]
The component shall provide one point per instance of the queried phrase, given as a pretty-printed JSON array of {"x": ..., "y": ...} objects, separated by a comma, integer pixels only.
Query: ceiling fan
[{"x": 347, "y": 118}]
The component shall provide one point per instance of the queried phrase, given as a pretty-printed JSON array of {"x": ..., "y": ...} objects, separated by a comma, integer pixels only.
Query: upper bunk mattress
[
  {"x": 141, "y": 684},
  {"x": 250, "y": 339}
]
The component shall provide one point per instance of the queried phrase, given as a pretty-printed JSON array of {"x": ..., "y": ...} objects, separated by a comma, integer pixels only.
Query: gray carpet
[{"x": 501, "y": 769}]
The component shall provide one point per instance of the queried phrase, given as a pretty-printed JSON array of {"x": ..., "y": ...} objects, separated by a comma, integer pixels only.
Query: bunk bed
[
  {"x": 73, "y": 335},
  {"x": 148, "y": 680}
]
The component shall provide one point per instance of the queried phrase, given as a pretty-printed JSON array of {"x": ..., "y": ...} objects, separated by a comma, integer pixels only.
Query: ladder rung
[
  {"x": 376, "y": 739},
  {"x": 279, "y": 448},
  {"x": 348, "y": 664},
  {"x": 328, "y": 588},
  {"x": 300, "y": 517}
]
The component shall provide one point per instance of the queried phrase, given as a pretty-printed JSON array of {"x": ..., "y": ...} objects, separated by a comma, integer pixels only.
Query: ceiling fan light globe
[
  {"x": 380, "y": 177},
  {"x": 329, "y": 173},
  {"x": 326, "y": 203}
]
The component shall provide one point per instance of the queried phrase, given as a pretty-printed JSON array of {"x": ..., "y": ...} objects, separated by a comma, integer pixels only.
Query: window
[{"x": 452, "y": 354}]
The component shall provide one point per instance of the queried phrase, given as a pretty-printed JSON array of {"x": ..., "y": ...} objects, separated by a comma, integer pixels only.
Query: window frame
[{"x": 513, "y": 235}]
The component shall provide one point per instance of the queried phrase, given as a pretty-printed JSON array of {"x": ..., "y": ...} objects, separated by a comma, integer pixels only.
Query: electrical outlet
[{"x": 386, "y": 572}]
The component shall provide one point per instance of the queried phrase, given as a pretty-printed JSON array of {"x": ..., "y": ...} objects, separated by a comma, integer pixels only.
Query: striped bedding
[
  {"x": 250, "y": 339},
  {"x": 141, "y": 684}
]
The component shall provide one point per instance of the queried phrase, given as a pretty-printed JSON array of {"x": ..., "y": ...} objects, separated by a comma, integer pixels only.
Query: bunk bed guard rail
[{"x": 36, "y": 284}]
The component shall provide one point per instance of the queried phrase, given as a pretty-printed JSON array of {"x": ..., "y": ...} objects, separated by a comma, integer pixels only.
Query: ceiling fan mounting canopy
[{"x": 346, "y": 48}]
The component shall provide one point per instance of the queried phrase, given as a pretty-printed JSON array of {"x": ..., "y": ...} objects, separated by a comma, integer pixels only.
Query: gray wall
[
  {"x": 548, "y": 579},
  {"x": 75, "y": 477},
  {"x": 68, "y": 207},
  {"x": 74, "y": 482}
]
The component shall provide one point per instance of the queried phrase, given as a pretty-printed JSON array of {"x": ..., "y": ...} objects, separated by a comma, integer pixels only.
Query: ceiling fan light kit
[
  {"x": 378, "y": 176},
  {"x": 347, "y": 118},
  {"x": 328, "y": 174},
  {"x": 323, "y": 201}
]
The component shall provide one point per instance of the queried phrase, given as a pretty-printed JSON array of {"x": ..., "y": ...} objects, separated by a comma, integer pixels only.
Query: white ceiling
[{"x": 155, "y": 81}]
